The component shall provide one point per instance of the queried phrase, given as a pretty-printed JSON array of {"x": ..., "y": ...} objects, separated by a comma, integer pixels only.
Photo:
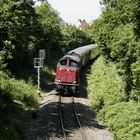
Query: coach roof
[
  {"x": 77, "y": 53},
  {"x": 82, "y": 50}
]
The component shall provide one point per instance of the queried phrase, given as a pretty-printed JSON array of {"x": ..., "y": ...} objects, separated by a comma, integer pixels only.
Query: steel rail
[
  {"x": 78, "y": 120},
  {"x": 76, "y": 116},
  {"x": 61, "y": 118}
]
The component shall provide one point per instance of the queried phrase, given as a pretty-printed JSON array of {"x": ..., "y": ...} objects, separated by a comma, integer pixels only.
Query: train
[{"x": 67, "y": 78}]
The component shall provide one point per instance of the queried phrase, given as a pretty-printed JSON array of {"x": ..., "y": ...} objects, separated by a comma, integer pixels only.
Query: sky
[{"x": 73, "y": 10}]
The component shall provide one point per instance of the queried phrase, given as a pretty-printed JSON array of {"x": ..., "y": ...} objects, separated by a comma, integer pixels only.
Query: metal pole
[{"x": 38, "y": 80}]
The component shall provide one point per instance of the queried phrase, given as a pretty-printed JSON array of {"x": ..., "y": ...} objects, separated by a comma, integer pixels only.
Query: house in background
[{"x": 83, "y": 24}]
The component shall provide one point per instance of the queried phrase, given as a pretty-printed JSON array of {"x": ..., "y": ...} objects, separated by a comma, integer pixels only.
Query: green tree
[
  {"x": 117, "y": 34},
  {"x": 73, "y": 38},
  {"x": 18, "y": 34},
  {"x": 50, "y": 35}
]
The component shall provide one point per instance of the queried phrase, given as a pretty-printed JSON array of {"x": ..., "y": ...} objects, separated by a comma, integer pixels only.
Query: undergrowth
[
  {"x": 106, "y": 92},
  {"x": 104, "y": 85},
  {"x": 123, "y": 119},
  {"x": 15, "y": 96}
]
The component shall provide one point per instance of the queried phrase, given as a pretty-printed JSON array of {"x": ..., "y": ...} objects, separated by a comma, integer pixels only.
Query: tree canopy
[{"x": 117, "y": 32}]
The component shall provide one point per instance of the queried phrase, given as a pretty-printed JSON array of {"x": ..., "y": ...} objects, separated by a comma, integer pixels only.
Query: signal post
[{"x": 38, "y": 64}]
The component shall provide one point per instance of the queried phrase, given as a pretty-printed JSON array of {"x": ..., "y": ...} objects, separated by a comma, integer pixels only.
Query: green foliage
[
  {"x": 106, "y": 92},
  {"x": 105, "y": 87},
  {"x": 50, "y": 23},
  {"x": 22, "y": 91},
  {"x": 12, "y": 120},
  {"x": 14, "y": 95},
  {"x": 135, "y": 95},
  {"x": 11, "y": 129},
  {"x": 18, "y": 90},
  {"x": 73, "y": 38},
  {"x": 18, "y": 34},
  {"x": 123, "y": 119},
  {"x": 117, "y": 35},
  {"x": 121, "y": 46}
]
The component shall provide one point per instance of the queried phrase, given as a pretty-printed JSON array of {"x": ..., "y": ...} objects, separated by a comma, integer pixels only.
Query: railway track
[
  {"x": 75, "y": 115},
  {"x": 61, "y": 118}
]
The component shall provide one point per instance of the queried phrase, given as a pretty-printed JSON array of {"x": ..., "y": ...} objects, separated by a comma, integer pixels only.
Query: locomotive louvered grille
[
  {"x": 69, "y": 80},
  {"x": 63, "y": 79},
  {"x": 67, "y": 75}
]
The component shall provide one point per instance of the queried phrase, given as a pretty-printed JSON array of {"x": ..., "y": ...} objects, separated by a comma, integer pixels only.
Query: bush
[
  {"x": 135, "y": 93},
  {"x": 105, "y": 87},
  {"x": 22, "y": 91},
  {"x": 12, "y": 123},
  {"x": 13, "y": 95},
  {"x": 107, "y": 96},
  {"x": 123, "y": 119},
  {"x": 18, "y": 90}
]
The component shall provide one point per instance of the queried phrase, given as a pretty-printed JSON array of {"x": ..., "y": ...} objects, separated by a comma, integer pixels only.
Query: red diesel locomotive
[{"x": 67, "y": 79}]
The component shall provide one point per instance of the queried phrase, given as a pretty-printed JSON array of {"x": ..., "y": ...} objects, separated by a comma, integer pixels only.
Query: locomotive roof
[
  {"x": 72, "y": 57},
  {"x": 77, "y": 53}
]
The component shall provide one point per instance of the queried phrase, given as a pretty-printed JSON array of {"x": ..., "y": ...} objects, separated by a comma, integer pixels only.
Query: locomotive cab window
[
  {"x": 63, "y": 62},
  {"x": 73, "y": 63}
]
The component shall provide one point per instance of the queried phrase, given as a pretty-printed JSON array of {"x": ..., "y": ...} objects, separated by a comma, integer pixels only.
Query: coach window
[
  {"x": 73, "y": 64},
  {"x": 63, "y": 62}
]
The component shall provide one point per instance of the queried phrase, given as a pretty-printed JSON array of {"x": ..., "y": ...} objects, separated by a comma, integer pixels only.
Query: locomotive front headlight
[
  {"x": 74, "y": 82},
  {"x": 58, "y": 80}
]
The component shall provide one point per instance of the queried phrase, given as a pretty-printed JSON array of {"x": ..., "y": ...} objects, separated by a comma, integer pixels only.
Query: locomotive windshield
[
  {"x": 63, "y": 62},
  {"x": 73, "y": 63}
]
